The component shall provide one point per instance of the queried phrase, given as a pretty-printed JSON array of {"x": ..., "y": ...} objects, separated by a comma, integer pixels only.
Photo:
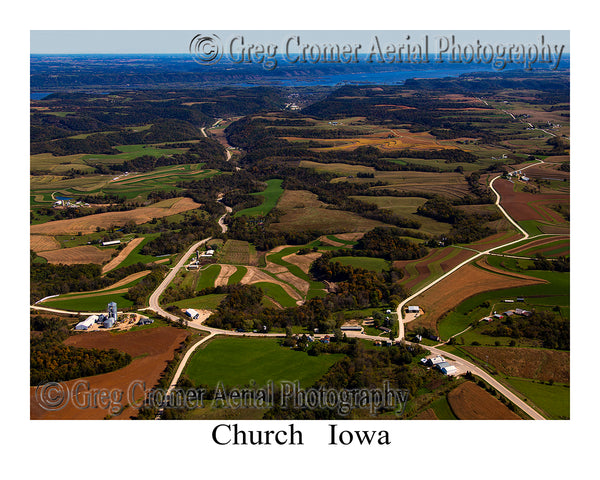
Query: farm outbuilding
[
  {"x": 435, "y": 360},
  {"x": 351, "y": 328},
  {"x": 449, "y": 370},
  {"x": 87, "y": 323},
  {"x": 193, "y": 314},
  {"x": 145, "y": 321},
  {"x": 111, "y": 242},
  {"x": 109, "y": 322},
  {"x": 413, "y": 309},
  {"x": 112, "y": 309}
]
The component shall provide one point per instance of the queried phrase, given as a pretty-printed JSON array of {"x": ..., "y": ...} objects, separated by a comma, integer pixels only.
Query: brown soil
[
  {"x": 464, "y": 283},
  {"x": 471, "y": 402},
  {"x": 226, "y": 272},
  {"x": 428, "y": 414},
  {"x": 77, "y": 255},
  {"x": 303, "y": 211},
  {"x": 422, "y": 265},
  {"x": 328, "y": 241},
  {"x": 114, "y": 263},
  {"x": 89, "y": 223},
  {"x": 153, "y": 347},
  {"x": 494, "y": 241},
  {"x": 532, "y": 363},
  {"x": 302, "y": 261},
  {"x": 351, "y": 237},
  {"x": 255, "y": 275},
  {"x": 538, "y": 243},
  {"x": 40, "y": 243},
  {"x": 529, "y": 206}
]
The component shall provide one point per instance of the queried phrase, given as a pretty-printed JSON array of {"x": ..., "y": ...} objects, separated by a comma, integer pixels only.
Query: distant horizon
[{"x": 175, "y": 42}]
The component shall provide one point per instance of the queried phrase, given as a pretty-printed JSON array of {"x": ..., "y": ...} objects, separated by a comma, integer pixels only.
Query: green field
[
  {"x": 368, "y": 263},
  {"x": 407, "y": 207},
  {"x": 237, "y": 276},
  {"x": 442, "y": 409},
  {"x": 315, "y": 288},
  {"x": 135, "y": 256},
  {"x": 270, "y": 197},
  {"x": 208, "y": 277},
  {"x": 239, "y": 361},
  {"x": 129, "y": 152},
  {"x": 277, "y": 293},
  {"x": 133, "y": 186},
  {"x": 541, "y": 297},
  {"x": 96, "y": 303},
  {"x": 204, "y": 302},
  {"x": 553, "y": 399}
]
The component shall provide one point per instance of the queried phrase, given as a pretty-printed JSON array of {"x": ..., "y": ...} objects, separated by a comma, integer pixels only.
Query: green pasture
[
  {"x": 242, "y": 361},
  {"x": 270, "y": 197}
]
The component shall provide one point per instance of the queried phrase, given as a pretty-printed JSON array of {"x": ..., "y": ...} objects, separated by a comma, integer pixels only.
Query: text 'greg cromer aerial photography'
[{"x": 301, "y": 225}]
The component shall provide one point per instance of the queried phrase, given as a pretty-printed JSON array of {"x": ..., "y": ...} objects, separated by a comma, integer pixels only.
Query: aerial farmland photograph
[{"x": 305, "y": 225}]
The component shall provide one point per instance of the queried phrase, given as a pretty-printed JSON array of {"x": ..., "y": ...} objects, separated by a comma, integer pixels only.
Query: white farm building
[
  {"x": 193, "y": 314},
  {"x": 111, "y": 242},
  {"x": 413, "y": 309},
  {"x": 449, "y": 370},
  {"x": 87, "y": 323}
]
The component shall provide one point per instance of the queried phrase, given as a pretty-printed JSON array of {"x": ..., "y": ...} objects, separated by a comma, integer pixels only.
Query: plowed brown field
[
  {"x": 529, "y": 206},
  {"x": 77, "y": 255},
  {"x": 153, "y": 347},
  {"x": 532, "y": 363},
  {"x": 464, "y": 283},
  {"x": 471, "y": 402},
  {"x": 40, "y": 243}
]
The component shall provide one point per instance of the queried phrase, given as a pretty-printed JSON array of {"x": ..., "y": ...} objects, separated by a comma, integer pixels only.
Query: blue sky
[{"x": 177, "y": 41}]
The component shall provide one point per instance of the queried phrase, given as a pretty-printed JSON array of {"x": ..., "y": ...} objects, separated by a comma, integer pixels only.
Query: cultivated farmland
[
  {"x": 534, "y": 363},
  {"x": 471, "y": 402},
  {"x": 40, "y": 243},
  {"x": 78, "y": 255},
  {"x": 90, "y": 223},
  {"x": 123, "y": 254},
  {"x": 303, "y": 211},
  {"x": 451, "y": 291},
  {"x": 255, "y": 359},
  {"x": 150, "y": 348}
]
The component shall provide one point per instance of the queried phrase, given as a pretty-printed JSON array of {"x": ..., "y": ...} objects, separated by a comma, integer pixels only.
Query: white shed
[
  {"x": 87, "y": 323},
  {"x": 193, "y": 314},
  {"x": 435, "y": 360},
  {"x": 413, "y": 309},
  {"x": 449, "y": 370}
]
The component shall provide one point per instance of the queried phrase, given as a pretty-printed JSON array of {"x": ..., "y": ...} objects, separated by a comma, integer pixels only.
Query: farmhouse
[
  {"x": 87, "y": 323},
  {"x": 193, "y": 314}
]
